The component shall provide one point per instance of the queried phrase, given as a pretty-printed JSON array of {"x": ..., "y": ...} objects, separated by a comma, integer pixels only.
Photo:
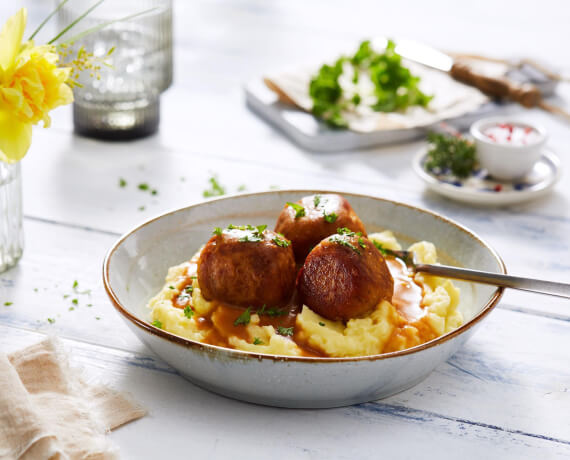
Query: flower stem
[
  {"x": 57, "y": 8},
  {"x": 70, "y": 26}
]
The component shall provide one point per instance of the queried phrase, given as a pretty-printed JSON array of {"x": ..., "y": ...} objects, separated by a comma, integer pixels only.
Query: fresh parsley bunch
[
  {"x": 395, "y": 88},
  {"x": 451, "y": 153}
]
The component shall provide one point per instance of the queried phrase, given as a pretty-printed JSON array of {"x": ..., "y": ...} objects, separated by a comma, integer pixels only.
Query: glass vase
[
  {"x": 11, "y": 228},
  {"x": 121, "y": 99}
]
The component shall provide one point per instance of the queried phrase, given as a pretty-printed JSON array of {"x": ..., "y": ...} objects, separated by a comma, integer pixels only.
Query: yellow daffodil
[{"x": 31, "y": 85}]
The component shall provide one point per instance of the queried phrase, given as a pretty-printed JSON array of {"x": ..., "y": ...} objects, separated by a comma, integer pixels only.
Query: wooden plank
[{"x": 185, "y": 417}]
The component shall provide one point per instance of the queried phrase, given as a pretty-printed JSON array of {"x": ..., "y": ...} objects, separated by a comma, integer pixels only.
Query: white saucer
[{"x": 480, "y": 188}]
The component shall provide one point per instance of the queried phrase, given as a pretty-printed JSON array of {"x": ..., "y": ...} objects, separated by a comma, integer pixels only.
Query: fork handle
[{"x": 496, "y": 279}]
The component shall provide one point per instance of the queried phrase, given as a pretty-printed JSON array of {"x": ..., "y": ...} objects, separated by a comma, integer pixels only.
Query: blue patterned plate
[{"x": 480, "y": 188}]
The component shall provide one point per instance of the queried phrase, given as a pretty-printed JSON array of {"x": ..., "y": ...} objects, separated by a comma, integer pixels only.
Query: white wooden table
[{"x": 505, "y": 395}]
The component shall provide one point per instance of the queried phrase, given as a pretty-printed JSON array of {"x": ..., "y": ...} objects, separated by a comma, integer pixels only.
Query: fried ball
[
  {"x": 247, "y": 266},
  {"x": 313, "y": 218},
  {"x": 344, "y": 277}
]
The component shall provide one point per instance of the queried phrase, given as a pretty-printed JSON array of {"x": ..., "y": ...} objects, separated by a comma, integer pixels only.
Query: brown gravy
[{"x": 407, "y": 300}]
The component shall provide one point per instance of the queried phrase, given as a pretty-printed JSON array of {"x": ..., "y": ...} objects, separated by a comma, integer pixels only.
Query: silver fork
[{"x": 477, "y": 276}]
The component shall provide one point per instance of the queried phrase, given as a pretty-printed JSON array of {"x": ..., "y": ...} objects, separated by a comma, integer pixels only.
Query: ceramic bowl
[
  {"x": 135, "y": 267},
  {"x": 505, "y": 161}
]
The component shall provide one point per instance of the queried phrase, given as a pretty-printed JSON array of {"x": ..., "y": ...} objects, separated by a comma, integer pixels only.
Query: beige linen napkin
[{"x": 47, "y": 411}]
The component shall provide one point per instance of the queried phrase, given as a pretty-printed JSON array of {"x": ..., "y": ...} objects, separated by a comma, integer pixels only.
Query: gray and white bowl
[{"x": 135, "y": 267}]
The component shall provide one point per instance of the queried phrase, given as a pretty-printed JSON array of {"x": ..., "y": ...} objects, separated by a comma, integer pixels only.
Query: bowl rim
[
  {"x": 192, "y": 344},
  {"x": 476, "y": 130}
]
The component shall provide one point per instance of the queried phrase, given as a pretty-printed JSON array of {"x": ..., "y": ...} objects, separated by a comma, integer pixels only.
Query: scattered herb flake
[
  {"x": 261, "y": 228},
  {"x": 287, "y": 331},
  {"x": 282, "y": 243},
  {"x": 299, "y": 210},
  {"x": 74, "y": 301},
  {"x": 7, "y": 304},
  {"x": 188, "y": 312},
  {"x": 257, "y": 341},
  {"x": 189, "y": 289},
  {"x": 71, "y": 308},
  {"x": 51, "y": 320},
  {"x": 122, "y": 182},
  {"x": 216, "y": 189},
  {"x": 154, "y": 191},
  {"x": 330, "y": 218},
  {"x": 97, "y": 318},
  {"x": 75, "y": 284},
  {"x": 171, "y": 287},
  {"x": 317, "y": 200},
  {"x": 89, "y": 305},
  {"x": 379, "y": 247},
  {"x": 143, "y": 186},
  {"x": 157, "y": 323},
  {"x": 321, "y": 323},
  {"x": 65, "y": 296},
  {"x": 35, "y": 289},
  {"x": 242, "y": 188},
  {"x": 244, "y": 318},
  {"x": 141, "y": 208},
  {"x": 217, "y": 231}
]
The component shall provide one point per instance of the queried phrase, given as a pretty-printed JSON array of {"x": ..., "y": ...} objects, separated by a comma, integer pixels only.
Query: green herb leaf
[
  {"x": 75, "y": 284},
  {"x": 143, "y": 186},
  {"x": 287, "y": 331},
  {"x": 7, "y": 304},
  {"x": 171, "y": 287},
  {"x": 154, "y": 191},
  {"x": 189, "y": 289},
  {"x": 450, "y": 153},
  {"x": 51, "y": 320},
  {"x": 157, "y": 323},
  {"x": 217, "y": 231},
  {"x": 257, "y": 341},
  {"x": 122, "y": 182},
  {"x": 379, "y": 247},
  {"x": 330, "y": 218},
  {"x": 261, "y": 228},
  {"x": 216, "y": 189},
  {"x": 321, "y": 323},
  {"x": 188, "y": 312},
  {"x": 299, "y": 210},
  {"x": 282, "y": 243},
  {"x": 244, "y": 318},
  {"x": 317, "y": 200},
  {"x": 75, "y": 302}
]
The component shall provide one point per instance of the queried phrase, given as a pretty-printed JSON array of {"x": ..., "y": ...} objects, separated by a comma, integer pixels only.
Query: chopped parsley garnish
[
  {"x": 154, "y": 191},
  {"x": 321, "y": 323},
  {"x": 299, "y": 210},
  {"x": 257, "y": 341},
  {"x": 189, "y": 289},
  {"x": 273, "y": 311},
  {"x": 450, "y": 153},
  {"x": 282, "y": 243},
  {"x": 97, "y": 318},
  {"x": 171, "y": 287},
  {"x": 285, "y": 330},
  {"x": 261, "y": 228},
  {"x": 242, "y": 188},
  {"x": 157, "y": 323},
  {"x": 51, "y": 320},
  {"x": 71, "y": 308},
  {"x": 341, "y": 238},
  {"x": 188, "y": 312},
  {"x": 141, "y": 208},
  {"x": 216, "y": 189},
  {"x": 122, "y": 182},
  {"x": 143, "y": 186},
  {"x": 380, "y": 247},
  {"x": 244, "y": 318},
  {"x": 75, "y": 284},
  {"x": 317, "y": 200},
  {"x": 75, "y": 301},
  {"x": 394, "y": 86},
  {"x": 7, "y": 304},
  {"x": 330, "y": 218},
  {"x": 217, "y": 231}
]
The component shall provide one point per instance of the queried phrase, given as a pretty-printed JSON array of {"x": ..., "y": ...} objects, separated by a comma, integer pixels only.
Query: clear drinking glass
[
  {"x": 124, "y": 102},
  {"x": 11, "y": 229}
]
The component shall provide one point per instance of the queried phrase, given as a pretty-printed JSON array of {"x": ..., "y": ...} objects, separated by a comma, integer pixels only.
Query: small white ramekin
[{"x": 506, "y": 161}]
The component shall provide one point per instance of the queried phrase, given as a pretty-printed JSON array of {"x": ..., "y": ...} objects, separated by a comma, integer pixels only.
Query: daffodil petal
[
  {"x": 15, "y": 137},
  {"x": 11, "y": 38}
]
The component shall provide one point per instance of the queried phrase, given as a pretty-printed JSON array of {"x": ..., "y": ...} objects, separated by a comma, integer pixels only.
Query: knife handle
[{"x": 526, "y": 95}]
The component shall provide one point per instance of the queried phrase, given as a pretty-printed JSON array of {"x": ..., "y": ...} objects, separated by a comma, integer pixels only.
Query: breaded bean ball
[
  {"x": 247, "y": 266},
  {"x": 313, "y": 218},
  {"x": 345, "y": 276}
]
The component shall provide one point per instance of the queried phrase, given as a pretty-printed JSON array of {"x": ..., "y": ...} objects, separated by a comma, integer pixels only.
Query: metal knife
[{"x": 525, "y": 94}]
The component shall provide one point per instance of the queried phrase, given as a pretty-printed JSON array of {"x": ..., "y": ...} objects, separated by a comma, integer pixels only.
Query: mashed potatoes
[{"x": 385, "y": 329}]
